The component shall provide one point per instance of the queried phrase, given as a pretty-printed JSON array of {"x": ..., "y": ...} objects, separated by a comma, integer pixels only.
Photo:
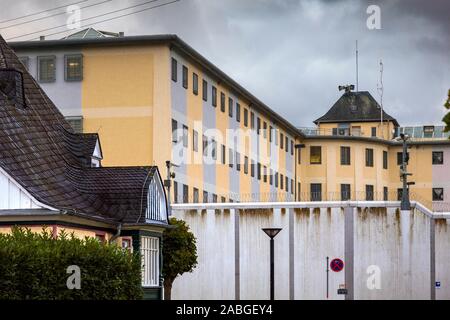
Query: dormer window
[{"x": 11, "y": 86}]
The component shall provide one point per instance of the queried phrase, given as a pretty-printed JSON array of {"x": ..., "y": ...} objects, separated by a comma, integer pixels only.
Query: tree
[
  {"x": 447, "y": 117},
  {"x": 179, "y": 253}
]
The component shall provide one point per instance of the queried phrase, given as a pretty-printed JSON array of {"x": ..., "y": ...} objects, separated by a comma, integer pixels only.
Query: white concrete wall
[{"x": 397, "y": 243}]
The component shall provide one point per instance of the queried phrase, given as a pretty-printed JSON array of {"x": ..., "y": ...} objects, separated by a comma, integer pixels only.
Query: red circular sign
[{"x": 337, "y": 265}]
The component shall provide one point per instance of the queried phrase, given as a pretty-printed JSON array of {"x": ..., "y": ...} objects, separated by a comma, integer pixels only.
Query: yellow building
[
  {"x": 51, "y": 177},
  {"x": 154, "y": 98}
]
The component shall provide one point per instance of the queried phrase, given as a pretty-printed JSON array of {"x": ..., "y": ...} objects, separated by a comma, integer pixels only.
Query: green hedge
[{"x": 34, "y": 266}]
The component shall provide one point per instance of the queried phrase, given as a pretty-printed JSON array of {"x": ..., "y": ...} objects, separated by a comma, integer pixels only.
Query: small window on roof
[
  {"x": 73, "y": 67},
  {"x": 76, "y": 123},
  {"x": 11, "y": 87},
  {"x": 47, "y": 69}
]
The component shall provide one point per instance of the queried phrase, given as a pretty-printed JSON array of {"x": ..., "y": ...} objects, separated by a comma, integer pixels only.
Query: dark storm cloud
[{"x": 293, "y": 54}]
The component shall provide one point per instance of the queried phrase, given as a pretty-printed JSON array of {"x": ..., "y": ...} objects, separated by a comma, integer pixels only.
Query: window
[
  {"x": 196, "y": 195},
  {"x": 205, "y": 197},
  {"x": 345, "y": 156},
  {"x": 214, "y": 198},
  {"x": 315, "y": 156},
  {"x": 230, "y": 107},
  {"x": 287, "y": 144},
  {"x": 185, "y": 193},
  {"x": 150, "y": 261},
  {"x": 399, "y": 194},
  {"x": 345, "y": 192},
  {"x": 238, "y": 112},
  {"x": 299, "y": 157},
  {"x": 281, "y": 181},
  {"x": 223, "y": 199},
  {"x": 265, "y": 130},
  {"x": 175, "y": 192},
  {"x": 246, "y": 165},
  {"x": 174, "y": 70},
  {"x": 281, "y": 140},
  {"x": 369, "y": 192},
  {"x": 400, "y": 158},
  {"x": 265, "y": 174},
  {"x": 205, "y": 90},
  {"x": 214, "y": 96},
  {"x": 438, "y": 157},
  {"x": 270, "y": 133},
  {"x": 292, "y": 186},
  {"x": 438, "y": 194},
  {"x": 287, "y": 184},
  {"x": 185, "y": 77},
  {"x": 385, "y": 194},
  {"x": 252, "y": 120},
  {"x": 185, "y": 136},
  {"x": 205, "y": 145},
  {"x": 245, "y": 117},
  {"x": 214, "y": 149},
  {"x": 100, "y": 237},
  {"x": 230, "y": 158},
  {"x": 276, "y": 179},
  {"x": 292, "y": 147},
  {"x": 174, "y": 131},
  {"x": 223, "y": 155},
  {"x": 238, "y": 161},
  {"x": 222, "y": 102},
  {"x": 299, "y": 192},
  {"x": 369, "y": 157},
  {"x": 252, "y": 169},
  {"x": 385, "y": 160},
  {"x": 195, "y": 83},
  {"x": 374, "y": 131},
  {"x": 258, "y": 170},
  {"x": 271, "y": 177},
  {"x": 47, "y": 69},
  {"x": 195, "y": 141},
  {"x": 26, "y": 62},
  {"x": 316, "y": 192},
  {"x": 76, "y": 123},
  {"x": 258, "y": 125}
]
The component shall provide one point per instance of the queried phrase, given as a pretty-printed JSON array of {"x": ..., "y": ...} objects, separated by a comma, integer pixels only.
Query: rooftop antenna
[
  {"x": 357, "y": 71},
  {"x": 380, "y": 89}
]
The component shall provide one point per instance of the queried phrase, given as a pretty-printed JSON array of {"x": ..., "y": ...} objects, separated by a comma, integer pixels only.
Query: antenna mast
[
  {"x": 357, "y": 82},
  {"x": 381, "y": 91}
]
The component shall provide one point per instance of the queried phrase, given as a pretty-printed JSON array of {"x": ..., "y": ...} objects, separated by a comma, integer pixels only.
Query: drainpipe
[{"x": 117, "y": 235}]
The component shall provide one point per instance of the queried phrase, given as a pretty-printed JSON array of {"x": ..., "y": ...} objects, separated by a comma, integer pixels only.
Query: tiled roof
[
  {"x": 40, "y": 151},
  {"x": 355, "y": 107}
]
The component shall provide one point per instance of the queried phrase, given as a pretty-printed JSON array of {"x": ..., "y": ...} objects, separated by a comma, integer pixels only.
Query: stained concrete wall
[{"x": 234, "y": 254}]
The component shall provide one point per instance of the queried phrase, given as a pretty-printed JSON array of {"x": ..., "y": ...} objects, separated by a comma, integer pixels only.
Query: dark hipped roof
[
  {"x": 40, "y": 151},
  {"x": 355, "y": 107},
  {"x": 174, "y": 42}
]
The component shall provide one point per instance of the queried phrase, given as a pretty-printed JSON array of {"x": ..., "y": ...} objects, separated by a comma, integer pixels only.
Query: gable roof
[
  {"x": 355, "y": 107},
  {"x": 41, "y": 152}
]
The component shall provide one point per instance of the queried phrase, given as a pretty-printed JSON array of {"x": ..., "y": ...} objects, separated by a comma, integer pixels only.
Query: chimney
[
  {"x": 121, "y": 34},
  {"x": 41, "y": 38}
]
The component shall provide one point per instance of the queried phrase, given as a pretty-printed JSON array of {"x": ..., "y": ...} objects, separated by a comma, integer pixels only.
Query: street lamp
[
  {"x": 405, "y": 203},
  {"x": 272, "y": 232}
]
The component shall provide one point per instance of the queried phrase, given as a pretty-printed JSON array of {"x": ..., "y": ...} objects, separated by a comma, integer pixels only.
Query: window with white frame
[{"x": 150, "y": 261}]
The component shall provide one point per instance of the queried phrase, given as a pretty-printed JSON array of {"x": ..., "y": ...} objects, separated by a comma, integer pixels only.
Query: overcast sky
[{"x": 293, "y": 54}]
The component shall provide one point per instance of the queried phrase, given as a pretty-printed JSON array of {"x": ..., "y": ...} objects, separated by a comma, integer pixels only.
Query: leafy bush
[{"x": 34, "y": 266}]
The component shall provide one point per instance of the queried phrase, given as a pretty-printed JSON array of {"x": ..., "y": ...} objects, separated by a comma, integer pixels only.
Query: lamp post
[
  {"x": 405, "y": 203},
  {"x": 272, "y": 232}
]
